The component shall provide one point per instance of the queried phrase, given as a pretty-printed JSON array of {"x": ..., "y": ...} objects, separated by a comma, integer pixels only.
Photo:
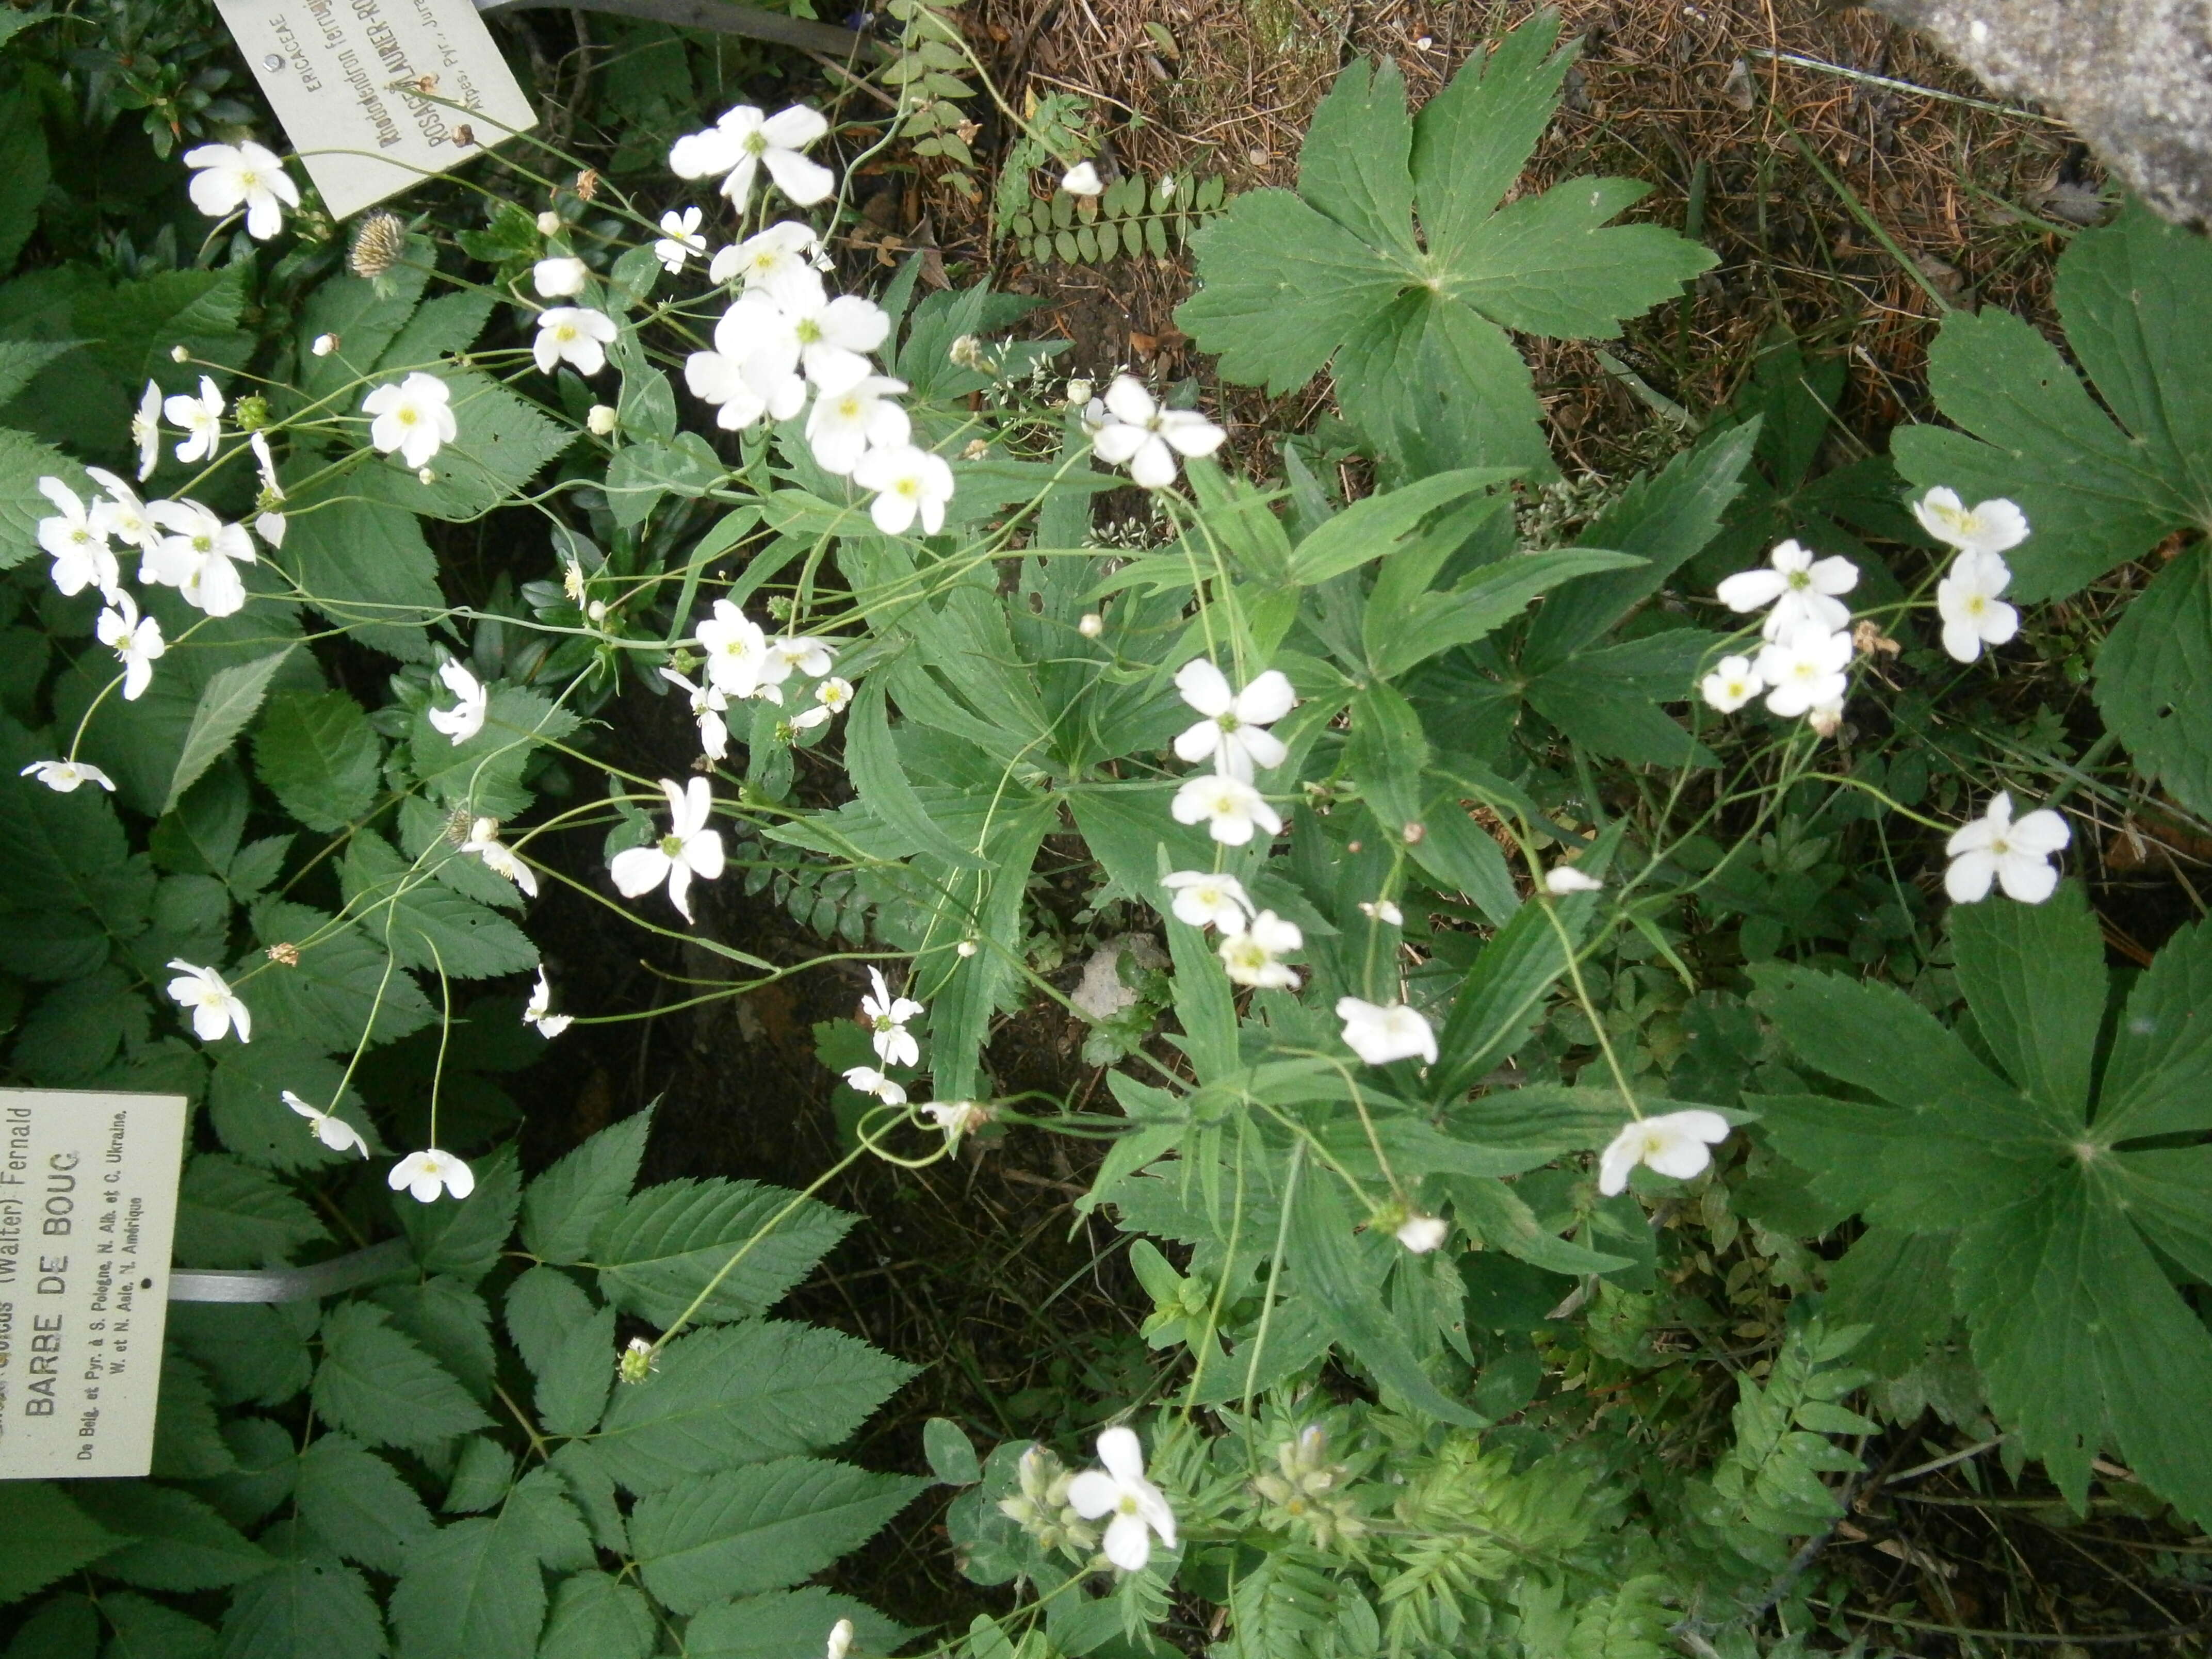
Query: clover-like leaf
[{"x": 1394, "y": 257}]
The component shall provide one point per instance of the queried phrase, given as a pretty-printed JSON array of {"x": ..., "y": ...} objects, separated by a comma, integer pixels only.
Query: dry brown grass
[{"x": 1658, "y": 96}]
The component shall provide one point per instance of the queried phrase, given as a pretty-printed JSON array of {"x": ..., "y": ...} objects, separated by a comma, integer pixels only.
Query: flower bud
[
  {"x": 252, "y": 413},
  {"x": 1079, "y": 391},
  {"x": 324, "y": 345},
  {"x": 180, "y": 354},
  {"x": 548, "y": 223},
  {"x": 596, "y": 610},
  {"x": 636, "y": 1362},
  {"x": 600, "y": 423},
  {"x": 1091, "y": 626},
  {"x": 965, "y": 948},
  {"x": 423, "y": 475}
]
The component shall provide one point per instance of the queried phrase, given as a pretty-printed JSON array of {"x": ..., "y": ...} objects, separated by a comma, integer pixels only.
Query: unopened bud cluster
[
  {"x": 1040, "y": 1508},
  {"x": 1309, "y": 1492}
]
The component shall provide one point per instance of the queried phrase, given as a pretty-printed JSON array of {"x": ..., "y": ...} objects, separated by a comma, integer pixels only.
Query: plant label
[
  {"x": 88, "y": 1206},
  {"x": 377, "y": 95}
]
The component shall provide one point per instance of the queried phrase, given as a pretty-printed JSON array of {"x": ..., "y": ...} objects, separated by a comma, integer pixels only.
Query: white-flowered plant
[
  {"x": 784, "y": 261},
  {"x": 269, "y": 521},
  {"x": 1082, "y": 179},
  {"x": 1129, "y": 428},
  {"x": 709, "y": 702},
  {"x": 498, "y": 857},
  {"x": 830, "y": 697},
  {"x": 1563, "y": 878},
  {"x": 537, "y": 1012},
  {"x": 1966, "y": 599},
  {"x": 146, "y": 430},
  {"x": 842, "y": 427},
  {"x": 955, "y": 1117},
  {"x": 135, "y": 641},
  {"x": 423, "y": 1175},
  {"x": 333, "y": 1131},
  {"x": 65, "y": 777},
  {"x": 229, "y": 176},
  {"x": 738, "y": 663},
  {"x": 1139, "y": 1510},
  {"x": 215, "y": 1009},
  {"x": 1677, "y": 1144},
  {"x": 1208, "y": 899},
  {"x": 578, "y": 335},
  {"x": 76, "y": 541},
  {"x": 1231, "y": 810},
  {"x": 1801, "y": 589},
  {"x": 473, "y": 702},
  {"x": 198, "y": 555},
  {"x": 744, "y": 140},
  {"x": 413, "y": 417},
  {"x": 688, "y": 848},
  {"x": 1732, "y": 683},
  {"x": 1992, "y": 526},
  {"x": 869, "y": 1081},
  {"x": 2013, "y": 854},
  {"x": 1252, "y": 955},
  {"x": 886, "y": 1017},
  {"x": 909, "y": 482},
  {"x": 1233, "y": 735},
  {"x": 680, "y": 241},
  {"x": 560, "y": 277},
  {"x": 1380, "y": 1033},
  {"x": 1421, "y": 1234},
  {"x": 200, "y": 418},
  {"x": 1805, "y": 670},
  {"x": 118, "y": 514}
]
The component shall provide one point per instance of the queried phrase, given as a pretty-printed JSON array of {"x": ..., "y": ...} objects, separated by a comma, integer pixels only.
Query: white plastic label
[
  {"x": 88, "y": 1207},
  {"x": 367, "y": 89}
]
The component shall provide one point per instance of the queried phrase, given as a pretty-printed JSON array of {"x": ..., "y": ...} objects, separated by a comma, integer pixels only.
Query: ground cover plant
[{"x": 1590, "y": 1032}]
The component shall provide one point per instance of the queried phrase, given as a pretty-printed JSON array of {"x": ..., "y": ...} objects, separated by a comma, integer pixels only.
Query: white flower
[
  {"x": 956, "y": 1117},
  {"x": 135, "y": 639},
  {"x": 753, "y": 370},
  {"x": 1801, "y": 588},
  {"x": 576, "y": 335},
  {"x": 830, "y": 697},
  {"x": 679, "y": 240},
  {"x": 1382, "y": 1032},
  {"x": 535, "y": 1010},
  {"x": 1384, "y": 911},
  {"x": 830, "y": 340},
  {"x": 1081, "y": 180},
  {"x": 1234, "y": 734},
  {"x": 1249, "y": 954},
  {"x": 414, "y": 416},
  {"x": 121, "y": 514},
  {"x": 689, "y": 848},
  {"x": 1675, "y": 1144},
  {"x": 200, "y": 556},
  {"x": 1992, "y": 527},
  {"x": 228, "y": 177},
  {"x": 1206, "y": 898},
  {"x": 885, "y": 1016},
  {"x": 601, "y": 420},
  {"x": 1422, "y": 1233},
  {"x": 1121, "y": 1490},
  {"x": 215, "y": 1009},
  {"x": 1732, "y": 683},
  {"x": 498, "y": 857},
  {"x": 708, "y": 704},
  {"x": 1563, "y": 878},
  {"x": 324, "y": 344},
  {"x": 2017, "y": 856},
  {"x": 422, "y": 1174},
  {"x": 333, "y": 1131},
  {"x": 466, "y": 717},
  {"x": 1135, "y": 432},
  {"x": 1229, "y": 807},
  {"x": 744, "y": 141},
  {"x": 201, "y": 417},
  {"x": 781, "y": 261},
  {"x": 870, "y": 1081},
  {"x": 63, "y": 776},
  {"x": 561, "y": 277},
  {"x": 269, "y": 523},
  {"x": 800, "y": 651},
  {"x": 78, "y": 546},
  {"x": 907, "y": 482},
  {"x": 1805, "y": 671},
  {"x": 843, "y": 427},
  {"x": 840, "y": 1639},
  {"x": 146, "y": 430},
  {"x": 1968, "y": 600},
  {"x": 738, "y": 659}
]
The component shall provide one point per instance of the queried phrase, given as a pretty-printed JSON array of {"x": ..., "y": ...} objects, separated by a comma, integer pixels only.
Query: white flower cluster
[
  {"x": 744, "y": 661},
  {"x": 1803, "y": 667},
  {"x": 1129, "y": 428}
]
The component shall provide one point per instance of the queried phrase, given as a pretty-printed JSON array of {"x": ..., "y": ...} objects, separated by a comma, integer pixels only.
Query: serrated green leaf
[
  {"x": 503, "y": 441},
  {"x": 358, "y": 1503},
  {"x": 230, "y": 699},
  {"x": 741, "y": 1394},
  {"x": 471, "y": 1591},
  {"x": 1473, "y": 139},
  {"x": 20, "y": 360},
  {"x": 368, "y": 566},
  {"x": 423, "y": 923},
  {"x": 2153, "y": 681},
  {"x": 442, "y": 327},
  {"x": 51, "y": 1536},
  {"x": 658, "y": 1251},
  {"x": 485, "y": 774},
  {"x": 229, "y": 1215},
  {"x": 759, "y": 1527},
  {"x": 245, "y": 1101},
  {"x": 340, "y": 983},
  {"x": 784, "y": 1622},
  {"x": 544, "y": 1305},
  {"x": 145, "y": 1629},
  {"x": 252, "y": 1352},
  {"x": 596, "y": 1616},
  {"x": 451, "y": 1323},
  {"x": 482, "y": 1476},
  {"x": 319, "y": 755},
  {"x": 565, "y": 1206},
  {"x": 180, "y": 1544},
  {"x": 306, "y": 1606},
  {"x": 375, "y": 1384},
  {"x": 366, "y": 316},
  {"x": 188, "y": 1442},
  {"x": 541, "y": 1508}
]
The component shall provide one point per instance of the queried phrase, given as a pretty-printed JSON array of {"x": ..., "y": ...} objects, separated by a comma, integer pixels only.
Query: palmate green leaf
[
  {"x": 2155, "y": 678},
  {"x": 376, "y": 1384},
  {"x": 661, "y": 1249},
  {"x": 1288, "y": 281},
  {"x": 744, "y": 1394},
  {"x": 358, "y": 1503},
  {"x": 2135, "y": 298},
  {"x": 49, "y": 1536},
  {"x": 759, "y": 1527},
  {"x": 2080, "y": 1338},
  {"x": 471, "y": 1591},
  {"x": 307, "y": 1606}
]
